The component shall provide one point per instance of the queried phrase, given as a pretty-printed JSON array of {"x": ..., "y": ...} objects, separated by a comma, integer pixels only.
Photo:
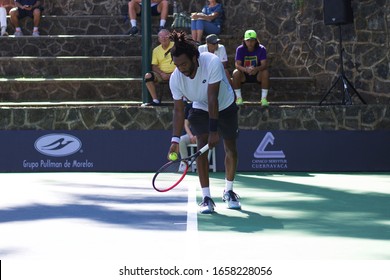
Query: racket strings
[{"x": 170, "y": 175}]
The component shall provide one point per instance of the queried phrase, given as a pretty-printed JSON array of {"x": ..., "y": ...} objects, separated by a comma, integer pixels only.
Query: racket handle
[{"x": 204, "y": 149}]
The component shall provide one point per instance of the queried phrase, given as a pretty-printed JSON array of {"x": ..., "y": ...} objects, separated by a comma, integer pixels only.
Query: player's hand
[
  {"x": 173, "y": 149},
  {"x": 193, "y": 139},
  {"x": 213, "y": 139},
  {"x": 165, "y": 76}
]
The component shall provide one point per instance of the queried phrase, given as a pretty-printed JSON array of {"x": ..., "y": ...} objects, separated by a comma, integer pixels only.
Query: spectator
[
  {"x": 162, "y": 66},
  {"x": 26, "y": 8},
  {"x": 3, "y": 19},
  {"x": 251, "y": 66},
  {"x": 212, "y": 45},
  {"x": 209, "y": 21},
  {"x": 188, "y": 137},
  {"x": 158, "y": 8}
]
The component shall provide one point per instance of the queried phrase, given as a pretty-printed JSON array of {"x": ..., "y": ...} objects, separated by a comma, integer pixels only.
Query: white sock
[
  {"x": 133, "y": 22},
  {"x": 206, "y": 192},
  {"x": 228, "y": 185},
  {"x": 162, "y": 22},
  {"x": 35, "y": 28},
  {"x": 238, "y": 93},
  {"x": 18, "y": 29},
  {"x": 264, "y": 93}
]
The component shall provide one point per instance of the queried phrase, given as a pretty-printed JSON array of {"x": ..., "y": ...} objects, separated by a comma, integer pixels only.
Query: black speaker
[{"x": 338, "y": 12}]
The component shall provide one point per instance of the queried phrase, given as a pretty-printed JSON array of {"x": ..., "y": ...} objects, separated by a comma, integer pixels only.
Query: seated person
[
  {"x": 188, "y": 137},
  {"x": 3, "y": 20},
  {"x": 4, "y": 7},
  {"x": 26, "y": 8},
  {"x": 209, "y": 21},
  {"x": 212, "y": 45},
  {"x": 251, "y": 66},
  {"x": 162, "y": 66},
  {"x": 158, "y": 8}
]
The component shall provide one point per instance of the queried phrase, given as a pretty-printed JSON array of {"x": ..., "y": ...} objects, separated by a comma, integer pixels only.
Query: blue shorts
[
  {"x": 154, "y": 11},
  {"x": 227, "y": 122},
  {"x": 251, "y": 78},
  {"x": 25, "y": 13}
]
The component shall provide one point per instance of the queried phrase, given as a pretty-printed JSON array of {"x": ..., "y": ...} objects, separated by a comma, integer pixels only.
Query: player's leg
[
  {"x": 150, "y": 79},
  {"x": 228, "y": 126},
  {"x": 134, "y": 10},
  {"x": 237, "y": 79},
  {"x": 37, "y": 21},
  {"x": 263, "y": 79},
  {"x": 199, "y": 122},
  {"x": 202, "y": 165},
  {"x": 162, "y": 9}
]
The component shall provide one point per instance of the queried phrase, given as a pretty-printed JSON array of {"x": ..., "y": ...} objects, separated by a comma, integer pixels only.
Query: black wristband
[{"x": 213, "y": 125}]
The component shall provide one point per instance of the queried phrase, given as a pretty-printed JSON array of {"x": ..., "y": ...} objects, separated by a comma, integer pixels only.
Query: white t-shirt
[
  {"x": 220, "y": 52},
  {"x": 210, "y": 71}
]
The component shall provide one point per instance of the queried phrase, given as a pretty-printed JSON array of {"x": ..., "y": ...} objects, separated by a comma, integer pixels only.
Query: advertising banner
[
  {"x": 146, "y": 151},
  {"x": 314, "y": 151}
]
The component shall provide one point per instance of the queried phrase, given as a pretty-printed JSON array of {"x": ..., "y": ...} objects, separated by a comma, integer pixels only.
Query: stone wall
[
  {"x": 127, "y": 117},
  {"x": 298, "y": 41},
  {"x": 299, "y": 44}
]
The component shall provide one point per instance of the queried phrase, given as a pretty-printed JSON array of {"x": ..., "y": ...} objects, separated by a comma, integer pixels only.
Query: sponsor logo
[
  {"x": 57, "y": 145},
  {"x": 268, "y": 159},
  {"x": 262, "y": 153}
]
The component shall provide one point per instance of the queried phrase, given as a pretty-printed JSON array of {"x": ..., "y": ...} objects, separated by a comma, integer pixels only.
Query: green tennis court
[{"x": 88, "y": 217}]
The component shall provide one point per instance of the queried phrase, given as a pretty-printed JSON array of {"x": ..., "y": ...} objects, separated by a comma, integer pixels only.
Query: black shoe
[
  {"x": 151, "y": 104},
  {"x": 133, "y": 31}
]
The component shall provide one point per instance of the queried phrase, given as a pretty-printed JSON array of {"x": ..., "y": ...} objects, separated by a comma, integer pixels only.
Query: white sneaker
[
  {"x": 206, "y": 206},
  {"x": 182, "y": 166},
  {"x": 36, "y": 34},
  {"x": 231, "y": 199},
  {"x": 18, "y": 33}
]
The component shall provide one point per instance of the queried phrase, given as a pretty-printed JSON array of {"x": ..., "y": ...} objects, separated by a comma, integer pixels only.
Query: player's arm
[
  {"x": 36, "y": 5},
  {"x": 178, "y": 123},
  {"x": 163, "y": 75},
  {"x": 212, "y": 96},
  {"x": 17, "y": 4},
  {"x": 238, "y": 65},
  {"x": 263, "y": 65}
]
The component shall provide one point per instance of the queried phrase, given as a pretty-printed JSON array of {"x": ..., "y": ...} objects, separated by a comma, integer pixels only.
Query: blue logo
[
  {"x": 57, "y": 145},
  {"x": 262, "y": 153}
]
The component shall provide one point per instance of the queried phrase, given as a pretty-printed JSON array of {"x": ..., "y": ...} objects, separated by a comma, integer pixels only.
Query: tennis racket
[{"x": 173, "y": 172}]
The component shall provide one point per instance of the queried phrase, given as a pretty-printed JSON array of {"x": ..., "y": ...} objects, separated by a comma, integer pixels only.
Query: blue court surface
[{"x": 97, "y": 225}]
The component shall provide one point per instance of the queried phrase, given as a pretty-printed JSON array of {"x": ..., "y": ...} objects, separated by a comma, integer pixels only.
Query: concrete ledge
[
  {"x": 70, "y": 67},
  {"x": 123, "y": 88}
]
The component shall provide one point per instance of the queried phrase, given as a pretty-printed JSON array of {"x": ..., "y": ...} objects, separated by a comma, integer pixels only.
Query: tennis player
[{"x": 201, "y": 79}]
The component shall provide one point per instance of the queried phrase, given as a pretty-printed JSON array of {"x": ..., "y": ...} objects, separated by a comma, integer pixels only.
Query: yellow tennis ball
[{"x": 173, "y": 156}]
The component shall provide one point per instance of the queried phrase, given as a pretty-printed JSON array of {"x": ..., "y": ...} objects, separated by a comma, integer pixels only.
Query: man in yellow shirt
[{"x": 162, "y": 66}]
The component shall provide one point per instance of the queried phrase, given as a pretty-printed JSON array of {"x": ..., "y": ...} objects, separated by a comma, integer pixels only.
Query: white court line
[{"x": 192, "y": 211}]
